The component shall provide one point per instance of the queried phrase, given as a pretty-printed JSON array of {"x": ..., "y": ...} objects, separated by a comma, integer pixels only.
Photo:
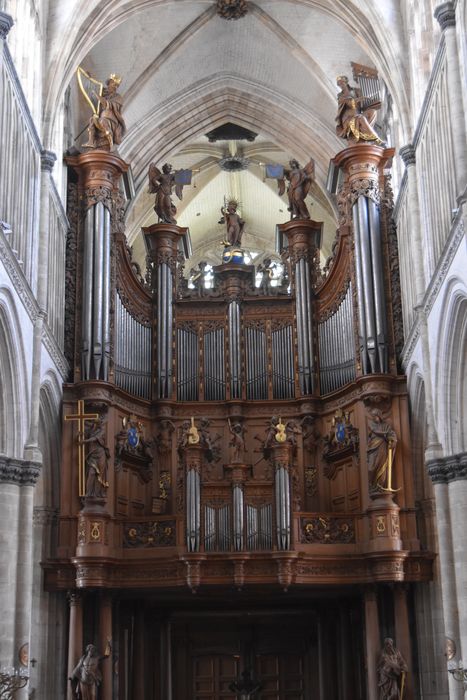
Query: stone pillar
[
  {"x": 99, "y": 175},
  {"x": 105, "y": 638},
  {"x": 403, "y": 636},
  {"x": 302, "y": 239},
  {"x": 439, "y": 476},
  {"x": 9, "y": 508},
  {"x": 75, "y": 636},
  {"x": 363, "y": 168},
  {"x": 457, "y": 507},
  {"x": 446, "y": 16},
  {"x": 372, "y": 642},
  {"x": 32, "y": 447},
  {"x": 162, "y": 245},
  {"x": 407, "y": 154}
]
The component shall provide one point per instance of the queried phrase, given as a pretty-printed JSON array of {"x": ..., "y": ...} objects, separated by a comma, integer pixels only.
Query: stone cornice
[
  {"x": 19, "y": 471},
  {"x": 16, "y": 274},
  {"x": 447, "y": 469}
]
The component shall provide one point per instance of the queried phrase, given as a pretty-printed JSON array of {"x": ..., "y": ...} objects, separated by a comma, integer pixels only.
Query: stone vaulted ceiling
[{"x": 186, "y": 71}]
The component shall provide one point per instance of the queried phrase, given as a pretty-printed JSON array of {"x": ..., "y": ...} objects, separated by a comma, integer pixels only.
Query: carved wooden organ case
[{"x": 203, "y": 484}]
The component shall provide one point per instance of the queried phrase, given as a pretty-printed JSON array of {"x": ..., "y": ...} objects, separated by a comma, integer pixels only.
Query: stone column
[
  {"x": 105, "y": 637},
  {"x": 32, "y": 448},
  {"x": 446, "y": 16},
  {"x": 75, "y": 636},
  {"x": 372, "y": 642},
  {"x": 9, "y": 507},
  {"x": 162, "y": 245},
  {"x": 302, "y": 239},
  {"x": 439, "y": 476},
  {"x": 403, "y": 636}
]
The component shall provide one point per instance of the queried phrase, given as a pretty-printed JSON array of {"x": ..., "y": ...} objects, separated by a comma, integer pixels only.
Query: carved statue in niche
[
  {"x": 197, "y": 278},
  {"x": 161, "y": 184},
  {"x": 233, "y": 222},
  {"x": 106, "y": 126},
  {"x": 381, "y": 448},
  {"x": 211, "y": 444},
  {"x": 134, "y": 448},
  {"x": 265, "y": 269},
  {"x": 237, "y": 442},
  {"x": 86, "y": 676},
  {"x": 391, "y": 672},
  {"x": 164, "y": 437},
  {"x": 300, "y": 181},
  {"x": 355, "y": 118},
  {"x": 342, "y": 436},
  {"x": 96, "y": 461},
  {"x": 292, "y": 430},
  {"x": 311, "y": 434}
]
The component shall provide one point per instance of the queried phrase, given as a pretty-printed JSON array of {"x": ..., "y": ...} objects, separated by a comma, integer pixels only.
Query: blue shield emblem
[
  {"x": 340, "y": 432},
  {"x": 133, "y": 437}
]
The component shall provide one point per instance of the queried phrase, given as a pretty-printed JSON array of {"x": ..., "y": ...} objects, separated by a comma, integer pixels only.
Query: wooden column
[
  {"x": 75, "y": 636},
  {"x": 105, "y": 636},
  {"x": 402, "y": 641},
  {"x": 138, "y": 665},
  {"x": 372, "y": 642}
]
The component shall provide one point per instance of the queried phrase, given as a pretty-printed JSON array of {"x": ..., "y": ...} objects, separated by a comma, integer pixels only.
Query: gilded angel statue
[
  {"x": 161, "y": 184},
  {"x": 300, "y": 181}
]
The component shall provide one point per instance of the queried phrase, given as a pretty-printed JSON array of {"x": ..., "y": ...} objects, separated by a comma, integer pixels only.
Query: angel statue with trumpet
[
  {"x": 300, "y": 181},
  {"x": 161, "y": 184},
  {"x": 106, "y": 127}
]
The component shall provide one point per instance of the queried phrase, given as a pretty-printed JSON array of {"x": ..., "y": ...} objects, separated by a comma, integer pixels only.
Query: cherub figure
[
  {"x": 266, "y": 269},
  {"x": 161, "y": 184},
  {"x": 233, "y": 222},
  {"x": 197, "y": 277},
  {"x": 300, "y": 181}
]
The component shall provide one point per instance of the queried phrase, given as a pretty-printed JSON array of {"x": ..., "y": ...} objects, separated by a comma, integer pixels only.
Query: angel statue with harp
[
  {"x": 300, "y": 181},
  {"x": 356, "y": 113},
  {"x": 106, "y": 127},
  {"x": 161, "y": 184}
]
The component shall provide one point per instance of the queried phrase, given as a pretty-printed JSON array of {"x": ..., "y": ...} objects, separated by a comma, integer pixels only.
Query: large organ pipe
[
  {"x": 378, "y": 284},
  {"x": 336, "y": 347},
  {"x": 238, "y": 506},
  {"x": 193, "y": 506},
  {"x": 86, "y": 328}
]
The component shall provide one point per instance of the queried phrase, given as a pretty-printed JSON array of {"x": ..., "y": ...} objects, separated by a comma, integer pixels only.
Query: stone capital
[
  {"x": 447, "y": 469},
  {"x": 18, "y": 471},
  {"x": 407, "y": 153},
  {"x": 6, "y": 23},
  {"x": 446, "y": 15},
  {"x": 48, "y": 159}
]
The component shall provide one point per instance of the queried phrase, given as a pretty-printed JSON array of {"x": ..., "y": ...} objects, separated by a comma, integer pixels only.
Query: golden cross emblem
[{"x": 81, "y": 417}]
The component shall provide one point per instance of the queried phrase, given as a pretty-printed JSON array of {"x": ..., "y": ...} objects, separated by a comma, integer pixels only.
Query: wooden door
[
  {"x": 282, "y": 676},
  {"x": 212, "y": 674}
]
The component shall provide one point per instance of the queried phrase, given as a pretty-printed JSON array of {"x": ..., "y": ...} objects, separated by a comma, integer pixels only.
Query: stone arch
[
  {"x": 451, "y": 369},
  {"x": 14, "y": 404},
  {"x": 47, "y": 492}
]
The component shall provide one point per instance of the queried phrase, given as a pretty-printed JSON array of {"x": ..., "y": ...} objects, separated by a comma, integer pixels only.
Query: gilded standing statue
[
  {"x": 106, "y": 127},
  {"x": 381, "y": 448},
  {"x": 355, "y": 114}
]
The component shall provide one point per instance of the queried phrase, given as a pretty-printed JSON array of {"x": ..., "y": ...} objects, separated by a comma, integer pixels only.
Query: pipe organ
[{"x": 239, "y": 428}]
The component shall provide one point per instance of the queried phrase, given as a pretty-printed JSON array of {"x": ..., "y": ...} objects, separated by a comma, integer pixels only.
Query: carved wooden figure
[
  {"x": 382, "y": 442},
  {"x": 106, "y": 126},
  {"x": 355, "y": 118},
  {"x": 391, "y": 672},
  {"x": 96, "y": 459},
  {"x": 300, "y": 181},
  {"x": 161, "y": 184},
  {"x": 86, "y": 676}
]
